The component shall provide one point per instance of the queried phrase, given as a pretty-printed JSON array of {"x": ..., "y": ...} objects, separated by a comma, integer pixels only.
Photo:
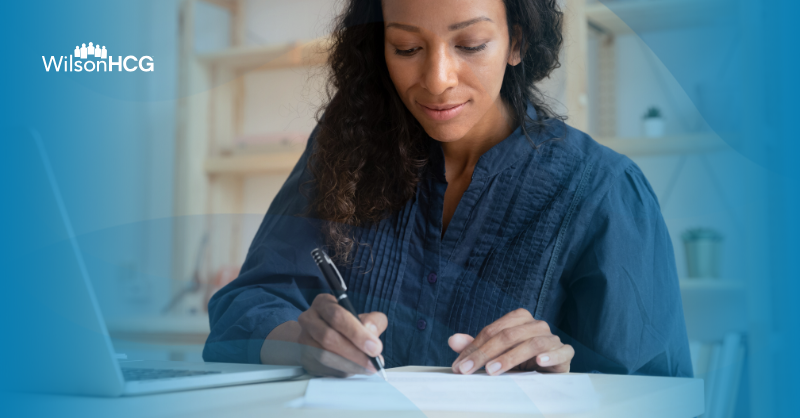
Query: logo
[{"x": 93, "y": 58}]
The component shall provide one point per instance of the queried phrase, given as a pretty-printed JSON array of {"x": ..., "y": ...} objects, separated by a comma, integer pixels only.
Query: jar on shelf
[{"x": 703, "y": 248}]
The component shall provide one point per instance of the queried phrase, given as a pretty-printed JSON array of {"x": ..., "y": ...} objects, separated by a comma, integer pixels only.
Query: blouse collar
[{"x": 496, "y": 159}]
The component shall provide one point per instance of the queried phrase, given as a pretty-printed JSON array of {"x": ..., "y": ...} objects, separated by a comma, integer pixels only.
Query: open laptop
[{"x": 55, "y": 338}]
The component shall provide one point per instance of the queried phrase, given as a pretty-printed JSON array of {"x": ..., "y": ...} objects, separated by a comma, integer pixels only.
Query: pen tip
[{"x": 383, "y": 373}]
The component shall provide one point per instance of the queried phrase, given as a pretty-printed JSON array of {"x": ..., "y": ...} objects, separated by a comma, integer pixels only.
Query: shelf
[
  {"x": 261, "y": 163},
  {"x": 706, "y": 294},
  {"x": 645, "y": 16},
  {"x": 713, "y": 307},
  {"x": 269, "y": 57},
  {"x": 710, "y": 284},
  {"x": 668, "y": 145},
  {"x": 169, "y": 330},
  {"x": 283, "y": 162}
]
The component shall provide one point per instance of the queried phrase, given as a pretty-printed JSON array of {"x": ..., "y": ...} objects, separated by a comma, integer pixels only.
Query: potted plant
[{"x": 653, "y": 123}]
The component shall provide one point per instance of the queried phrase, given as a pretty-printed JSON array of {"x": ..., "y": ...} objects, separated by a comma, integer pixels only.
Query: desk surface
[{"x": 620, "y": 396}]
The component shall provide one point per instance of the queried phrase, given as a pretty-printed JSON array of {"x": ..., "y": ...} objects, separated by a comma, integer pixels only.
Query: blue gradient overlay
[{"x": 110, "y": 141}]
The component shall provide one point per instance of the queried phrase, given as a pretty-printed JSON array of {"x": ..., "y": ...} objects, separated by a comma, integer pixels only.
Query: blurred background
[{"x": 240, "y": 82}]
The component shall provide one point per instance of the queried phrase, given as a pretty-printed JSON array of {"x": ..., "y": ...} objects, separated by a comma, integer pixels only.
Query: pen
[{"x": 336, "y": 283}]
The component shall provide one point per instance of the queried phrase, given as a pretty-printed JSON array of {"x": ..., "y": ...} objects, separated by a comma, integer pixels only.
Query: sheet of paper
[{"x": 432, "y": 391}]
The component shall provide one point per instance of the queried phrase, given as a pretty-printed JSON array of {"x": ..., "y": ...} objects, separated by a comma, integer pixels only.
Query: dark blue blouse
[{"x": 569, "y": 230}]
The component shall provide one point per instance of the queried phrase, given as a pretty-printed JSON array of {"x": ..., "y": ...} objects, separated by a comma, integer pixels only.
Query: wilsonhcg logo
[{"x": 75, "y": 63}]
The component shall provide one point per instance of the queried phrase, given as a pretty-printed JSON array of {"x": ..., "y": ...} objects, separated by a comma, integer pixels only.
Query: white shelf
[
  {"x": 677, "y": 144},
  {"x": 283, "y": 162},
  {"x": 645, "y": 16},
  {"x": 713, "y": 307},
  {"x": 720, "y": 302},
  {"x": 710, "y": 284},
  {"x": 167, "y": 329},
  {"x": 268, "y": 57},
  {"x": 261, "y": 163}
]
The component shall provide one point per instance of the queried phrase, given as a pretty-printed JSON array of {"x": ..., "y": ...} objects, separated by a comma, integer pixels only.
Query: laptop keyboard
[{"x": 131, "y": 374}]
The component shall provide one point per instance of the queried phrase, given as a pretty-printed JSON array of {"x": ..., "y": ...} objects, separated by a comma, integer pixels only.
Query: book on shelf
[{"x": 720, "y": 365}]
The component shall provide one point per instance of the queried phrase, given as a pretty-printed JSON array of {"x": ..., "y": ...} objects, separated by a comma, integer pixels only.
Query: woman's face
[{"x": 447, "y": 59}]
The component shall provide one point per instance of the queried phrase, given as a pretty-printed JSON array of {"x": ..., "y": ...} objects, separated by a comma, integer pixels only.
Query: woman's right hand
[{"x": 332, "y": 342}]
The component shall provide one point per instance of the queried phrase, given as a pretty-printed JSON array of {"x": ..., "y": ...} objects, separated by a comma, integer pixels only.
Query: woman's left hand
[{"x": 514, "y": 341}]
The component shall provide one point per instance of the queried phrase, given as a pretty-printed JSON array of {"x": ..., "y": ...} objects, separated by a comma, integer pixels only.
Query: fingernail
[
  {"x": 371, "y": 348},
  {"x": 544, "y": 359},
  {"x": 493, "y": 367},
  {"x": 466, "y": 366},
  {"x": 371, "y": 327}
]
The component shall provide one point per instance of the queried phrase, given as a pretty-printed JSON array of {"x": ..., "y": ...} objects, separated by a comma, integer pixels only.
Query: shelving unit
[
  {"x": 700, "y": 284},
  {"x": 677, "y": 144},
  {"x": 654, "y": 15},
  {"x": 162, "y": 330},
  {"x": 250, "y": 164},
  {"x": 213, "y": 166},
  {"x": 268, "y": 57},
  {"x": 713, "y": 308}
]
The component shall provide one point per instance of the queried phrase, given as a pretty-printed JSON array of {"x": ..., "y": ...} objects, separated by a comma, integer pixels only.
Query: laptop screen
[{"x": 54, "y": 337}]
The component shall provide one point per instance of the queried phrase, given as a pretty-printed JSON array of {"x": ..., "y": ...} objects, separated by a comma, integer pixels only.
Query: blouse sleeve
[
  {"x": 278, "y": 279},
  {"x": 623, "y": 311}
]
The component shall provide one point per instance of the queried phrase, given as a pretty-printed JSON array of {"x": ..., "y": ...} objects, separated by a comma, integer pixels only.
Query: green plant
[{"x": 652, "y": 112}]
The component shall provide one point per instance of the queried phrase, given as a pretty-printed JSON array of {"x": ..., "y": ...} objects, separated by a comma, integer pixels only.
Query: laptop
[{"x": 55, "y": 338}]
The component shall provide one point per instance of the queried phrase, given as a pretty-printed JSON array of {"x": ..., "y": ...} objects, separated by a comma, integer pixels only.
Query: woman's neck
[{"x": 462, "y": 155}]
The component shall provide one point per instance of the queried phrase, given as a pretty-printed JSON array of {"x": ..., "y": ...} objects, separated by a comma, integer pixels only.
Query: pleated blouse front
[{"x": 526, "y": 234}]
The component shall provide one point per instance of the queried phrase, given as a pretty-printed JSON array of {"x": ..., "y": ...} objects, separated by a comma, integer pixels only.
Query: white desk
[{"x": 620, "y": 396}]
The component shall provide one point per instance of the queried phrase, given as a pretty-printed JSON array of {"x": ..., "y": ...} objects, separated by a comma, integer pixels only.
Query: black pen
[{"x": 336, "y": 283}]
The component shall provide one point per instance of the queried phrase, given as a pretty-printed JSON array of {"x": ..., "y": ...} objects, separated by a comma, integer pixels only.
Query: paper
[{"x": 431, "y": 391}]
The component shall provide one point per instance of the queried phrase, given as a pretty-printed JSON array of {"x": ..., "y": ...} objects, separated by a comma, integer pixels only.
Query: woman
[{"x": 475, "y": 228}]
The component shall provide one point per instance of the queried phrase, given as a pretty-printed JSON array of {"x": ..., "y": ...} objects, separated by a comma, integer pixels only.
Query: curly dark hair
[{"x": 370, "y": 150}]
